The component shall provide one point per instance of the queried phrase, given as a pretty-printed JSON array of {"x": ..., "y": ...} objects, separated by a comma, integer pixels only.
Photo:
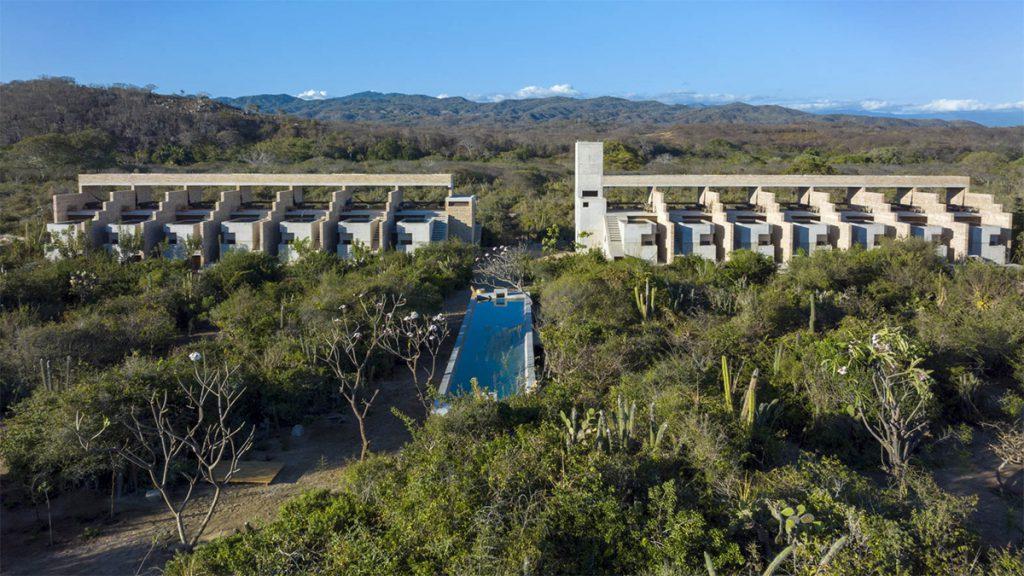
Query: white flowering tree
[
  {"x": 417, "y": 339},
  {"x": 504, "y": 267},
  {"x": 191, "y": 444},
  {"x": 889, "y": 393},
  {"x": 348, "y": 343}
]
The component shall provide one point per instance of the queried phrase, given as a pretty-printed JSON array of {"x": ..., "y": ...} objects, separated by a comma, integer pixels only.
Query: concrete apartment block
[
  {"x": 358, "y": 228},
  {"x": 201, "y": 230},
  {"x": 962, "y": 224}
]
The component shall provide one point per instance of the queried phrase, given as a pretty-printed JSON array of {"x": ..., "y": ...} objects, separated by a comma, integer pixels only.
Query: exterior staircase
[{"x": 439, "y": 231}]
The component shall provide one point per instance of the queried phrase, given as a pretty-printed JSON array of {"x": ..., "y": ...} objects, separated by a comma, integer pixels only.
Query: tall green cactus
[
  {"x": 810, "y": 321},
  {"x": 645, "y": 299},
  {"x": 749, "y": 408},
  {"x": 727, "y": 384}
]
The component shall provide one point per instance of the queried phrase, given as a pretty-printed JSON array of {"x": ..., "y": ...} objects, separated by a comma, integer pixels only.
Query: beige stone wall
[{"x": 461, "y": 218}]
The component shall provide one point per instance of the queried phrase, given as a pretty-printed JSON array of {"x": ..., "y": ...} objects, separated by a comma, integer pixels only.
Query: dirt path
[
  {"x": 141, "y": 534},
  {"x": 999, "y": 517}
]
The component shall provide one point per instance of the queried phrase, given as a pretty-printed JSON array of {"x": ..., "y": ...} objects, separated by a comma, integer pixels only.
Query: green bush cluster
[{"x": 633, "y": 458}]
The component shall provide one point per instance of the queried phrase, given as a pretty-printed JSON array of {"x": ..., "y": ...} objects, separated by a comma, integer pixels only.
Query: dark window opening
[
  {"x": 765, "y": 240},
  {"x": 586, "y": 204},
  {"x": 705, "y": 239},
  {"x": 590, "y": 193},
  {"x": 995, "y": 240}
]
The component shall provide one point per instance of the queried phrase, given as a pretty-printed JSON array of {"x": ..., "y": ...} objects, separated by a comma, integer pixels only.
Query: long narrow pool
[{"x": 495, "y": 346}]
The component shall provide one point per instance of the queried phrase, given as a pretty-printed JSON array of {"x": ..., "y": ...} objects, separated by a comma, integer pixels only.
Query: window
[
  {"x": 705, "y": 239},
  {"x": 586, "y": 204},
  {"x": 406, "y": 242},
  {"x": 822, "y": 240},
  {"x": 590, "y": 193},
  {"x": 172, "y": 239},
  {"x": 647, "y": 240},
  {"x": 764, "y": 240},
  {"x": 995, "y": 240}
]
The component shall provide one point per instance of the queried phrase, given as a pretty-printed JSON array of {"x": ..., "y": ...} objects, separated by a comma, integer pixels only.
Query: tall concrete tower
[{"x": 591, "y": 204}]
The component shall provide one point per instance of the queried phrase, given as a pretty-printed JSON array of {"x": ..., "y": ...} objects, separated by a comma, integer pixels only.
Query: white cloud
[
  {"x": 874, "y": 105},
  {"x": 530, "y": 92},
  {"x": 816, "y": 105},
  {"x": 312, "y": 95},
  {"x": 542, "y": 92},
  {"x": 696, "y": 98},
  {"x": 440, "y": 96},
  {"x": 962, "y": 105}
]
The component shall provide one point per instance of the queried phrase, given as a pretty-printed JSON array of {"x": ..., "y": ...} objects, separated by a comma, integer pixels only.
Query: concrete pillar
[{"x": 590, "y": 203}]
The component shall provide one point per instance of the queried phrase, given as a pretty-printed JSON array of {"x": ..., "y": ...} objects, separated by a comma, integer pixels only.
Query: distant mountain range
[{"x": 419, "y": 110}]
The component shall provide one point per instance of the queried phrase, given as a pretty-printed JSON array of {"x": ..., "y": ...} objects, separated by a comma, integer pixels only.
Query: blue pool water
[{"x": 491, "y": 347}]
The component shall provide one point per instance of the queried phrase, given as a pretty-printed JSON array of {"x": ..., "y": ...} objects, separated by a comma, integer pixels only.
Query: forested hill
[
  {"x": 412, "y": 110},
  {"x": 134, "y": 117}
]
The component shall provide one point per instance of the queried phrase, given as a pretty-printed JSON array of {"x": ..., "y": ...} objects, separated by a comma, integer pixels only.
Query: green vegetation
[
  {"x": 718, "y": 435},
  {"x": 696, "y": 418}
]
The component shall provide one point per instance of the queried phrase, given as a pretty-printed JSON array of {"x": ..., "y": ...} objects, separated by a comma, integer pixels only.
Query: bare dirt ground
[
  {"x": 140, "y": 539},
  {"x": 998, "y": 517}
]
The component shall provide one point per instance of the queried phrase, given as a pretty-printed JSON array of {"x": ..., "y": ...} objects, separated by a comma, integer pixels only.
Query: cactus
[
  {"x": 645, "y": 299},
  {"x": 655, "y": 433},
  {"x": 783, "y": 554},
  {"x": 810, "y": 322},
  {"x": 767, "y": 413},
  {"x": 778, "y": 560},
  {"x": 612, "y": 431},
  {"x": 749, "y": 402},
  {"x": 46, "y": 374},
  {"x": 576, "y": 433},
  {"x": 727, "y": 384}
]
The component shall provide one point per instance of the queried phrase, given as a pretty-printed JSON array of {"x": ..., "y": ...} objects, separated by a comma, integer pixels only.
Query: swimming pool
[{"x": 495, "y": 346}]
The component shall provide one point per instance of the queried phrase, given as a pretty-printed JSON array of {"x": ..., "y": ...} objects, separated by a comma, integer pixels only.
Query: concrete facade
[
  {"x": 827, "y": 212},
  {"x": 108, "y": 208}
]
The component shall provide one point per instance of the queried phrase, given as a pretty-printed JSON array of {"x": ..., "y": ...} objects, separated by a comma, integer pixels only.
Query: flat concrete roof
[
  {"x": 780, "y": 181},
  {"x": 215, "y": 179}
]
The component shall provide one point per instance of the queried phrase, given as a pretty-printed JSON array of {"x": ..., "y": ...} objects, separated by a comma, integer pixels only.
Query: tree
[
  {"x": 810, "y": 163},
  {"x": 194, "y": 443},
  {"x": 412, "y": 337},
  {"x": 347, "y": 345},
  {"x": 890, "y": 394},
  {"x": 505, "y": 267}
]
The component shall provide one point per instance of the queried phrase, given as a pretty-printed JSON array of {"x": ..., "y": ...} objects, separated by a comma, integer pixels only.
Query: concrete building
[
  {"x": 822, "y": 213},
  {"x": 202, "y": 216}
]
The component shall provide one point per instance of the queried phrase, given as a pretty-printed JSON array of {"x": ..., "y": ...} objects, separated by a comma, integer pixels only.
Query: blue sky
[{"x": 872, "y": 56}]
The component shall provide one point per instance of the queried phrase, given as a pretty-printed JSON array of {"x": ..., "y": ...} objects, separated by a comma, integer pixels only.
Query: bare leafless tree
[
  {"x": 1008, "y": 446},
  {"x": 348, "y": 343},
  {"x": 193, "y": 444},
  {"x": 413, "y": 337},
  {"x": 504, "y": 267}
]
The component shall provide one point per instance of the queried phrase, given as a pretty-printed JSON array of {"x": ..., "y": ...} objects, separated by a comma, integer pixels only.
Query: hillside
[
  {"x": 133, "y": 116},
  {"x": 411, "y": 110}
]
